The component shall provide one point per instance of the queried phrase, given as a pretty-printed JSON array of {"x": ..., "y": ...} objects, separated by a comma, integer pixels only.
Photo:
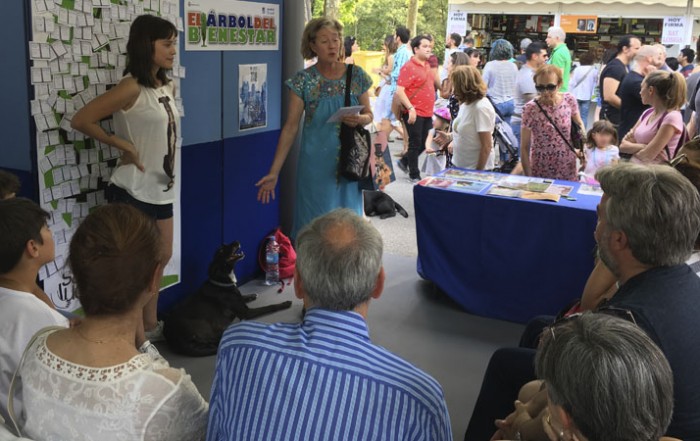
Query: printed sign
[
  {"x": 674, "y": 31},
  {"x": 579, "y": 24},
  {"x": 252, "y": 96},
  {"x": 229, "y": 25},
  {"x": 457, "y": 22}
]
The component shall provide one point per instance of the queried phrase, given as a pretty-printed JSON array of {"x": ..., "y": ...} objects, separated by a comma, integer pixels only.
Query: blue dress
[{"x": 319, "y": 187}]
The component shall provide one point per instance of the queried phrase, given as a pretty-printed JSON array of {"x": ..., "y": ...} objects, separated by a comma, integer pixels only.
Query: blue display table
[{"x": 505, "y": 258}]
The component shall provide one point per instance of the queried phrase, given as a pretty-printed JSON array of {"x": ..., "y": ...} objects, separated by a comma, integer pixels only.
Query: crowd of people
[{"x": 620, "y": 365}]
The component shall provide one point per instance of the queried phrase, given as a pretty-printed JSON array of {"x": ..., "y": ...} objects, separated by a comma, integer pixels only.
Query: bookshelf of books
[{"x": 486, "y": 28}]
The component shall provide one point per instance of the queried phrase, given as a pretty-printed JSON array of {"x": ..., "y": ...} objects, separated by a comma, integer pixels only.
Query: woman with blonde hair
[
  {"x": 660, "y": 130},
  {"x": 546, "y": 148},
  {"x": 472, "y": 130},
  {"x": 317, "y": 93}
]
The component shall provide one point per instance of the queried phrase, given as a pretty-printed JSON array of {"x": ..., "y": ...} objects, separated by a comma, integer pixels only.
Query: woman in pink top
[{"x": 657, "y": 134}]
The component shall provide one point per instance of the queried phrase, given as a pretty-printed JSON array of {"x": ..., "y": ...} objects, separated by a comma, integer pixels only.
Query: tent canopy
[{"x": 618, "y": 8}]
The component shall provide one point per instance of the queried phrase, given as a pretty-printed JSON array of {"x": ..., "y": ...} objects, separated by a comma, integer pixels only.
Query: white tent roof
[{"x": 618, "y": 8}]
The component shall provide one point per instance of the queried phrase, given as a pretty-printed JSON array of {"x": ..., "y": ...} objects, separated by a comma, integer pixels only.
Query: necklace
[{"x": 97, "y": 341}]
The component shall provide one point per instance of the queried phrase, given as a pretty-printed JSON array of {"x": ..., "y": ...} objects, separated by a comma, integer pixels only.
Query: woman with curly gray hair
[{"x": 499, "y": 75}]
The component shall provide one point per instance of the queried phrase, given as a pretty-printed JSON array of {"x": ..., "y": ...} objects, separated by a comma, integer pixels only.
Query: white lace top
[{"x": 142, "y": 399}]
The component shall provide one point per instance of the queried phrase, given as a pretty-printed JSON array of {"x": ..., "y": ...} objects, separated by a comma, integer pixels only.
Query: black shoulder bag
[
  {"x": 355, "y": 143},
  {"x": 576, "y": 144}
]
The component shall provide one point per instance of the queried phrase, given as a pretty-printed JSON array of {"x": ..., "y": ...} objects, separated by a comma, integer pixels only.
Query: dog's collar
[{"x": 223, "y": 285}]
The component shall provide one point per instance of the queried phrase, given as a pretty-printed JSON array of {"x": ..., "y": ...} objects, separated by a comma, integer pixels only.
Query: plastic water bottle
[{"x": 272, "y": 261}]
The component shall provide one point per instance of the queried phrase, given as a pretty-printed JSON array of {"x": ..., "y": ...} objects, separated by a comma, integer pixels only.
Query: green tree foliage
[{"x": 371, "y": 20}]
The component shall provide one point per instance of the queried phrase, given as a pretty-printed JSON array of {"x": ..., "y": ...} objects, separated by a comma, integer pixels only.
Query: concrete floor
[{"x": 411, "y": 320}]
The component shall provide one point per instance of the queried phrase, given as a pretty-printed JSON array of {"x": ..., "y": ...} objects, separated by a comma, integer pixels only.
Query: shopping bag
[{"x": 380, "y": 164}]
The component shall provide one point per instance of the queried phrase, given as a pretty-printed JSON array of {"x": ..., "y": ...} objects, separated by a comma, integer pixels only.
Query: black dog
[
  {"x": 378, "y": 203},
  {"x": 194, "y": 327}
]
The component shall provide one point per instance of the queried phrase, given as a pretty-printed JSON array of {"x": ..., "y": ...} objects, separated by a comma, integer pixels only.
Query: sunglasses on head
[
  {"x": 547, "y": 87},
  {"x": 621, "y": 313}
]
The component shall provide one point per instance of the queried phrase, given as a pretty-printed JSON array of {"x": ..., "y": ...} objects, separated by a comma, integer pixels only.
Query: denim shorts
[{"x": 158, "y": 212}]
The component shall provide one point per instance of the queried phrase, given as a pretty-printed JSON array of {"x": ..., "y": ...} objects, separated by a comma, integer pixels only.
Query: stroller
[{"x": 506, "y": 142}]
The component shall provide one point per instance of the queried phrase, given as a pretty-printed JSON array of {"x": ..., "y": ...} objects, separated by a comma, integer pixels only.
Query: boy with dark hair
[
  {"x": 9, "y": 185},
  {"x": 26, "y": 244},
  {"x": 685, "y": 60}
]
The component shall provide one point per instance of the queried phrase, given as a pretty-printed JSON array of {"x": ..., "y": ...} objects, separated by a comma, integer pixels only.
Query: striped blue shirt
[{"x": 322, "y": 379}]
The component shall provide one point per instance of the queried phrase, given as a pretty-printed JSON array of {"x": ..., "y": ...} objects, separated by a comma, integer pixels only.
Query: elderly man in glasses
[{"x": 648, "y": 224}]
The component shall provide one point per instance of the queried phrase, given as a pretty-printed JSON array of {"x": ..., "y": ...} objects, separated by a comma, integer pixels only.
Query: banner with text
[
  {"x": 231, "y": 25},
  {"x": 457, "y": 22},
  {"x": 674, "y": 31},
  {"x": 579, "y": 24}
]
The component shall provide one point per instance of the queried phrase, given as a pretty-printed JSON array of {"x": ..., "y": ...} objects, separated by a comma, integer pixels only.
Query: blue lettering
[
  {"x": 232, "y": 21},
  {"x": 222, "y": 21},
  {"x": 241, "y": 22}
]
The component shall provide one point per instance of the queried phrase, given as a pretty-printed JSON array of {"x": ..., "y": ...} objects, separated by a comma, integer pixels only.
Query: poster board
[
  {"x": 675, "y": 31},
  {"x": 77, "y": 51},
  {"x": 231, "y": 25},
  {"x": 579, "y": 24},
  {"x": 457, "y": 21}
]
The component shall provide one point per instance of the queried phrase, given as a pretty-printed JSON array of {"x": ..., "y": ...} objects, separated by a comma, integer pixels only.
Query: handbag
[
  {"x": 381, "y": 166},
  {"x": 355, "y": 143}
]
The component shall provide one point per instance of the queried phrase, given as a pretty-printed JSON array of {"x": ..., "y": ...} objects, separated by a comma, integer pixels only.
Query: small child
[
  {"x": 600, "y": 150},
  {"x": 435, "y": 159}
]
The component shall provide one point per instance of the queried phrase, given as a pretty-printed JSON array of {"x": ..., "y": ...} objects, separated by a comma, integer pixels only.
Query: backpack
[{"x": 288, "y": 257}]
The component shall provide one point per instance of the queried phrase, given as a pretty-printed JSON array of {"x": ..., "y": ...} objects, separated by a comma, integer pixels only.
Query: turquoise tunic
[{"x": 319, "y": 187}]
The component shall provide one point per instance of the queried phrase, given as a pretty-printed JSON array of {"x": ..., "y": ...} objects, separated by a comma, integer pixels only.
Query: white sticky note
[
  {"x": 94, "y": 182},
  {"x": 100, "y": 197},
  {"x": 46, "y": 196},
  {"x": 92, "y": 200},
  {"x": 57, "y": 175},
  {"x": 46, "y": 52},
  {"x": 44, "y": 165},
  {"x": 34, "y": 50},
  {"x": 75, "y": 187},
  {"x": 63, "y": 16},
  {"x": 58, "y": 48},
  {"x": 83, "y": 170},
  {"x": 56, "y": 192}
]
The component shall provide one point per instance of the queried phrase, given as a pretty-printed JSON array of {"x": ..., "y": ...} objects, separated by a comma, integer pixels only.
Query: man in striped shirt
[{"x": 323, "y": 379}]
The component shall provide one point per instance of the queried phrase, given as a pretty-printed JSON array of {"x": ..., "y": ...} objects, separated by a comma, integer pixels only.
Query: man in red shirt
[{"x": 416, "y": 90}]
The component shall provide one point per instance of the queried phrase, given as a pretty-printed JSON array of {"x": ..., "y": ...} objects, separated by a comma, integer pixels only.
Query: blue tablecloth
[{"x": 503, "y": 257}]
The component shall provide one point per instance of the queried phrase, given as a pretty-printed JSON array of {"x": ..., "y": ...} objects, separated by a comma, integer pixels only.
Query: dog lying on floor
[
  {"x": 195, "y": 326},
  {"x": 378, "y": 203}
]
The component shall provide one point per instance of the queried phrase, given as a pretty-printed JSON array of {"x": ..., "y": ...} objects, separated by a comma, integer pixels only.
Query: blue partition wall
[{"x": 220, "y": 165}]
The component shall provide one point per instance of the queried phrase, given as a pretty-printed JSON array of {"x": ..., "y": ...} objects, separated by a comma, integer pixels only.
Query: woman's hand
[
  {"x": 131, "y": 156},
  {"x": 353, "y": 120},
  {"x": 266, "y": 188}
]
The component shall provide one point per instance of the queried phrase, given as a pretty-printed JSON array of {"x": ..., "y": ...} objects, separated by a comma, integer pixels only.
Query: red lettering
[
  {"x": 193, "y": 19},
  {"x": 258, "y": 22}
]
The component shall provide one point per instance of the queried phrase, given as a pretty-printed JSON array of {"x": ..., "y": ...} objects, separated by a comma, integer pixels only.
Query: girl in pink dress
[
  {"x": 544, "y": 152},
  {"x": 660, "y": 130},
  {"x": 600, "y": 149}
]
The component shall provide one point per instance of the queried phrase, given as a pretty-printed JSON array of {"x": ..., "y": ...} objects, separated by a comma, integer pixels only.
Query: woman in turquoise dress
[{"x": 319, "y": 91}]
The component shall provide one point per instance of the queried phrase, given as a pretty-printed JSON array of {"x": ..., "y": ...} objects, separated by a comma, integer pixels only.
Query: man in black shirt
[
  {"x": 631, "y": 107},
  {"x": 648, "y": 224},
  {"x": 613, "y": 74}
]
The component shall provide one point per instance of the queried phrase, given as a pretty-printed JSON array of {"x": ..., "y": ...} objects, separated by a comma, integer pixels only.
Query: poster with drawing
[{"x": 252, "y": 96}]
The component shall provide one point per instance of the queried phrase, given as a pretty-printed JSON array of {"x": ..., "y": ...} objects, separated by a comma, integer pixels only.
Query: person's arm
[
  {"x": 429, "y": 140},
  {"x": 187, "y": 410},
  {"x": 446, "y": 88},
  {"x": 266, "y": 185},
  {"x": 87, "y": 120},
  {"x": 691, "y": 126},
  {"x": 403, "y": 99},
  {"x": 610, "y": 86},
  {"x": 486, "y": 140},
  {"x": 647, "y": 152},
  {"x": 365, "y": 117},
  {"x": 601, "y": 284},
  {"x": 525, "y": 136}
]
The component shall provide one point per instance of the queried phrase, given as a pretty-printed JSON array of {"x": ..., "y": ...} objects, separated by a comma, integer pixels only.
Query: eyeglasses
[
  {"x": 547, "y": 87},
  {"x": 624, "y": 314}
]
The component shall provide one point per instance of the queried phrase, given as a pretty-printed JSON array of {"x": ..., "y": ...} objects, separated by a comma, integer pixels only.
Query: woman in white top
[
  {"x": 499, "y": 75},
  {"x": 472, "y": 130},
  {"x": 583, "y": 82},
  {"x": 146, "y": 123},
  {"x": 90, "y": 382}
]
